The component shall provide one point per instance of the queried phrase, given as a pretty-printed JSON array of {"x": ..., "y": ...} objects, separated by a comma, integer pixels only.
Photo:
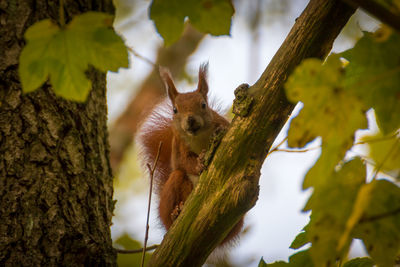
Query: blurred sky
[{"x": 240, "y": 58}]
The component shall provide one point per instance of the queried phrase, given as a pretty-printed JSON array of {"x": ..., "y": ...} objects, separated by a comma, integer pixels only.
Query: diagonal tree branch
[{"x": 229, "y": 188}]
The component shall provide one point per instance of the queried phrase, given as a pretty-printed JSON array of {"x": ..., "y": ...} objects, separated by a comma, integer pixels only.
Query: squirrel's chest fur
[
  {"x": 197, "y": 143},
  {"x": 185, "y": 152}
]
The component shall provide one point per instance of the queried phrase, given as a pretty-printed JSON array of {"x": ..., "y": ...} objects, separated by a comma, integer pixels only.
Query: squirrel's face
[
  {"x": 191, "y": 113},
  {"x": 192, "y": 116}
]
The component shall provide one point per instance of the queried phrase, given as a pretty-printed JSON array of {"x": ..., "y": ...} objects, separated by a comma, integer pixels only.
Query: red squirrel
[{"x": 185, "y": 128}]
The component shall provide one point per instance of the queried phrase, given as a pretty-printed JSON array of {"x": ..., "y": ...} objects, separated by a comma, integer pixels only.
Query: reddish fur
[
  {"x": 152, "y": 132},
  {"x": 173, "y": 195},
  {"x": 177, "y": 160}
]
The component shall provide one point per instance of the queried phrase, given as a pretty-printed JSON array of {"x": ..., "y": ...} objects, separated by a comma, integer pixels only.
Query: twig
[
  {"x": 296, "y": 150},
  {"x": 132, "y": 251},
  {"x": 277, "y": 146},
  {"x": 277, "y": 149},
  {"x": 151, "y": 171},
  {"x": 136, "y": 54}
]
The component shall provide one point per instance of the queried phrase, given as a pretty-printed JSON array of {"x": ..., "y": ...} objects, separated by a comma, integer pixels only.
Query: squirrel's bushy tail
[{"x": 154, "y": 129}]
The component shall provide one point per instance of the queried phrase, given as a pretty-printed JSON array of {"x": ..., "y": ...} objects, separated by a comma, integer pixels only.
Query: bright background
[{"x": 240, "y": 58}]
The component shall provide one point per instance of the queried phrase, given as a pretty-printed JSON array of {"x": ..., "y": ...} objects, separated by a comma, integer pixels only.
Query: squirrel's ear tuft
[
  {"x": 202, "y": 86},
  {"x": 168, "y": 82}
]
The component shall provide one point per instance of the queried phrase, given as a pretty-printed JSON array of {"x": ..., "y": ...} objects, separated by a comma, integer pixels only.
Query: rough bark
[
  {"x": 229, "y": 188},
  {"x": 151, "y": 92},
  {"x": 55, "y": 178}
]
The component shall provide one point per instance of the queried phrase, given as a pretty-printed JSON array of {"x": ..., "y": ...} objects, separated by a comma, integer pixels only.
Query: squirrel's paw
[
  {"x": 201, "y": 162},
  {"x": 176, "y": 211}
]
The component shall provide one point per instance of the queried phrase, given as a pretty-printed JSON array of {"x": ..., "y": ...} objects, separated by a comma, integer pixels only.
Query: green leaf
[
  {"x": 379, "y": 226},
  {"x": 129, "y": 260},
  {"x": 209, "y": 16},
  {"x": 320, "y": 173},
  {"x": 335, "y": 99},
  {"x": 64, "y": 54},
  {"x": 127, "y": 242},
  {"x": 373, "y": 74},
  {"x": 33, "y": 66},
  {"x": 299, "y": 241},
  {"x": 277, "y": 264},
  {"x": 385, "y": 152},
  {"x": 262, "y": 263},
  {"x": 329, "y": 111},
  {"x": 300, "y": 259},
  {"x": 332, "y": 205},
  {"x": 359, "y": 262}
]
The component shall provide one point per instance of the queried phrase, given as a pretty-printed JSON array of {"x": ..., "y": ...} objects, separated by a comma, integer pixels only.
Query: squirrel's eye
[
  {"x": 175, "y": 110},
  {"x": 203, "y": 105}
]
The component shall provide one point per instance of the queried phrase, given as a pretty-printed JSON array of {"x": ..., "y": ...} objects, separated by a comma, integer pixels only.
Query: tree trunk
[
  {"x": 229, "y": 187},
  {"x": 55, "y": 178}
]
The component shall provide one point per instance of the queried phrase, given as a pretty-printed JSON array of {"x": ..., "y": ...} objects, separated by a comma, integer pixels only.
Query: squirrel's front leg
[{"x": 173, "y": 195}]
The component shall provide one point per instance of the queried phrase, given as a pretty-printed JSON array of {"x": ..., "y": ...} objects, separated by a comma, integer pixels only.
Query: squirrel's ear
[
  {"x": 202, "y": 87},
  {"x": 169, "y": 83}
]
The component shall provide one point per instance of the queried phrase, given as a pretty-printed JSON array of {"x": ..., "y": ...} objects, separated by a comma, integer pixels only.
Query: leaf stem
[
  {"x": 296, "y": 150},
  {"x": 132, "y": 251},
  {"x": 136, "y": 54},
  {"x": 277, "y": 146}
]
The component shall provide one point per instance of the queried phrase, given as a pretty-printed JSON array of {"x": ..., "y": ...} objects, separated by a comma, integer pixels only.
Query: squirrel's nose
[
  {"x": 191, "y": 121},
  {"x": 193, "y": 124}
]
